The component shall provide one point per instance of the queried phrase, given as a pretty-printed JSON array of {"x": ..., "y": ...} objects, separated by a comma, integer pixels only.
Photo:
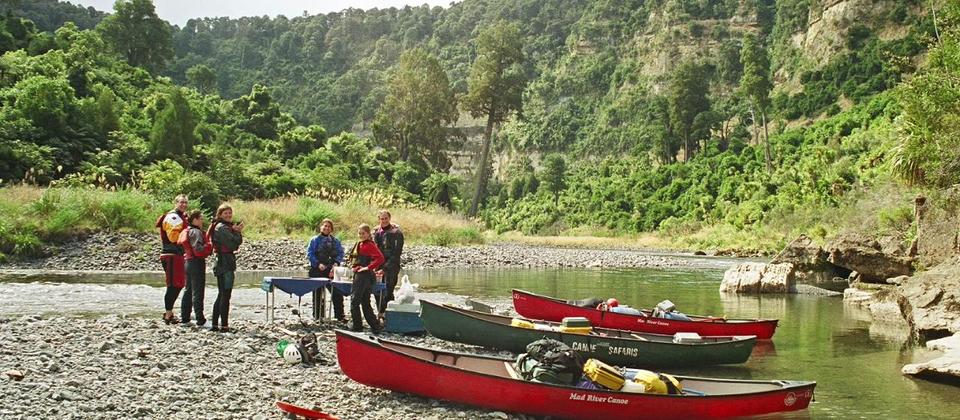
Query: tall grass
[
  {"x": 31, "y": 216},
  {"x": 300, "y": 218}
]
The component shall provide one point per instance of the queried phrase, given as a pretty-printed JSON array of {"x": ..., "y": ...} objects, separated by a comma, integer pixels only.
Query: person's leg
[
  {"x": 390, "y": 278},
  {"x": 355, "y": 301},
  {"x": 337, "y": 297},
  {"x": 219, "y": 301},
  {"x": 200, "y": 278},
  {"x": 315, "y": 296},
  {"x": 226, "y": 292},
  {"x": 186, "y": 304},
  {"x": 368, "y": 314}
]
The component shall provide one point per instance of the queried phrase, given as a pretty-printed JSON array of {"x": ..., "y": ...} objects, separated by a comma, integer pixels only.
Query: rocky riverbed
[
  {"x": 138, "y": 252},
  {"x": 132, "y": 367}
]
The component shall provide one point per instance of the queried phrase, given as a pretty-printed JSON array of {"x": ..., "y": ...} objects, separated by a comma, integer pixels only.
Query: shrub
[
  {"x": 128, "y": 210},
  {"x": 310, "y": 212},
  {"x": 448, "y": 237}
]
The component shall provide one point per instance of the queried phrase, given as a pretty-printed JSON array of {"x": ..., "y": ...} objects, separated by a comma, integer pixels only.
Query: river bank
[
  {"x": 122, "y": 367},
  {"x": 106, "y": 251}
]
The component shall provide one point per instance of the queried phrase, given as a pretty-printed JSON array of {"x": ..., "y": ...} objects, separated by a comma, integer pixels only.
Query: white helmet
[{"x": 291, "y": 354}]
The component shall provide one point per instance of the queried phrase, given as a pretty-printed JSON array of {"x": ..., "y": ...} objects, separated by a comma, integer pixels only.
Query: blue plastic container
[{"x": 403, "y": 319}]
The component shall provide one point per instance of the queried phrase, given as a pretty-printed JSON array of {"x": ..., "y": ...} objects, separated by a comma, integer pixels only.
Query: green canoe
[{"x": 616, "y": 347}]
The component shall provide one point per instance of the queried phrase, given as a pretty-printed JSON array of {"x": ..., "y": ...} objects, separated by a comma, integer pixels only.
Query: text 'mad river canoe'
[
  {"x": 489, "y": 382},
  {"x": 617, "y": 347},
  {"x": 530, "y": 305}
]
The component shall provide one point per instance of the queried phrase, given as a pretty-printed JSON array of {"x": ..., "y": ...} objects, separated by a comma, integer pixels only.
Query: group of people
[{"x": 185, "y": 246}]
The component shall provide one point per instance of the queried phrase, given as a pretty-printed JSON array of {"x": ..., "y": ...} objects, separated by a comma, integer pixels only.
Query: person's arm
[
  {"x": 198, "y": 241},
  {"x": 397, "y": 250},
  {"x": 312, "y": 252},
  {"x": 339, "y": 259},
  {"x": 376, "y": 256}
]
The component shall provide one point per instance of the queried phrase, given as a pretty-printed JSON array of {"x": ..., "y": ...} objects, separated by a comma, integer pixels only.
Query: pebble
[
  {"x": 286, "y": 254},
  {"x": 224, "y": 377}
]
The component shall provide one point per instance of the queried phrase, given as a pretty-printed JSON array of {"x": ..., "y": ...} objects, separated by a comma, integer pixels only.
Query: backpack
[
  {"x": 309, "y": 349},
  {"x": 551, "y": 361}
]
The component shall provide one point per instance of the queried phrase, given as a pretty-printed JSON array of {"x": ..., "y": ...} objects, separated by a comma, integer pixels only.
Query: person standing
[
  {"x": 326, "y": 252},
  {"x": 389, "y": 239},
  {"x": 226, "y": 237},
  {"x": 170, "y": 225},
  {"x": 196, "y": 247},
  {"x": 366, "y": 258}
]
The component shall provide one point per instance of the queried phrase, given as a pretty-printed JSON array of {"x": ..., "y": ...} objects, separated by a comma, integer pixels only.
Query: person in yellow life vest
[{"x": 170, "y": 224}]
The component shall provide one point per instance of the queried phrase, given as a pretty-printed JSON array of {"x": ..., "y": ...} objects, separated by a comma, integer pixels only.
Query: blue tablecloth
[
  {"x": 295, "y": 286},
  {"x": 302, "y": 286}
]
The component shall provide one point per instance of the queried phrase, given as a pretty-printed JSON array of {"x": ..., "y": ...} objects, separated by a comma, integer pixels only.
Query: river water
[{"x": 855, "y": 363}]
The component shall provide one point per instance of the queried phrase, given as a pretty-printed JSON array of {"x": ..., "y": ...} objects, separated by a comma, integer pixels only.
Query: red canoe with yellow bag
[{"x": 493, "y": 383}]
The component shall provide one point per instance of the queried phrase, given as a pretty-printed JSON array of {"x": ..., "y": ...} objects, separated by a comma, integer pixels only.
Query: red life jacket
[{"x": 189, "y": 252}]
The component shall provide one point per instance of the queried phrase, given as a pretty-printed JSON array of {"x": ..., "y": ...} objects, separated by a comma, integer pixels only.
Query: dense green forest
[{"x": 678, "y": 116}]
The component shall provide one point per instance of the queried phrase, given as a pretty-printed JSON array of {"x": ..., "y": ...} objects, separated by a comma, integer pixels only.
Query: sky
[{"x": 179, "y": 11}]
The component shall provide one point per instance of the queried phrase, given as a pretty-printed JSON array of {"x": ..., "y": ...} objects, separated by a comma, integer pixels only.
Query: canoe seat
[
  {"x": 510, "y": 370},
  {"x": 446, "y": 359},
  {"x": 638, "y": 337}
]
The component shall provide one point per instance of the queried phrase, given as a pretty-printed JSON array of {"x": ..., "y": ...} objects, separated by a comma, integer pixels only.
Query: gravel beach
[
  {"x": 133, "y": 367},
  {"x": 139, "y": 252}
]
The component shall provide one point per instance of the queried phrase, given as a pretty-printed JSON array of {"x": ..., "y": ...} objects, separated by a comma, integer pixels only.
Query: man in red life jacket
[{"x": 170, "y": 225}]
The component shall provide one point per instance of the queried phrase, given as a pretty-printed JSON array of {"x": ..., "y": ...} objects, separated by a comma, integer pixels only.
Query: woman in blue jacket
[{"x": 326, "y": 252}]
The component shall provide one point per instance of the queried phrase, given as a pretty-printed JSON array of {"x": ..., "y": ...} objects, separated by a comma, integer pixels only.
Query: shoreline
[
  {"x": 125, "y": 252},
  {"x": 132, "y": 366}
]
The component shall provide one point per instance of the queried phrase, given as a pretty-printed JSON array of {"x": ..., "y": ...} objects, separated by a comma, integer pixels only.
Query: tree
[
  {"x": 172, "y": 135},
  {"x": 494, "y": 89},
  {"x": 418, "y": 109},
  {"x": 440, "y": 188},
  {"x": 202, "y": 77},
  {"x": 554, "y": 174},
  {"x": 260, "y": 115},
  {"x": 135, "y": 31},
  {"x": 755, "y": 85},
  {"x": 687, "y": 99}
]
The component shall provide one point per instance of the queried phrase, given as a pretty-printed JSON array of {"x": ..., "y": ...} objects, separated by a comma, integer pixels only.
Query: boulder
[
  {"x": 945, "y": 367},
  {"x": 752, "y": 277},
  {"x": 812, "y": 267},
  {"x": 931, "y": 300},
  {"x": 864, "y": 255}
]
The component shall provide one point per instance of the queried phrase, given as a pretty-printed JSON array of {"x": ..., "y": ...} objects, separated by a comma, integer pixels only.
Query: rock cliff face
[
  {"x": 930, "y": 301},
  {"x": 811, "y": 265},
  {"x": 868, "y": 257},
  {"x": 829, "y": 23}
]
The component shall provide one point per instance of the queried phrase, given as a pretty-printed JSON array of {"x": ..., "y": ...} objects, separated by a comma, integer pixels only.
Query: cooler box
[
  {"x": 687, "y": 338},
  {"x": 575, "y": 322},
  {"x": 403, "y": 318},
  {"x": 576, "y": 330}
]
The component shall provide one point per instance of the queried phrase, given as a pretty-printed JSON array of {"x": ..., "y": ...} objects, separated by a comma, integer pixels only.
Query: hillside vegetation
[{"x": 720, "y": 124}]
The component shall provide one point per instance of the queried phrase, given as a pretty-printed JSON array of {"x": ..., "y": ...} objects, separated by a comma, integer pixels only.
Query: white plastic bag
[
  {"x": 341, "y": 274},
  {"x": 407, "y": 292}
]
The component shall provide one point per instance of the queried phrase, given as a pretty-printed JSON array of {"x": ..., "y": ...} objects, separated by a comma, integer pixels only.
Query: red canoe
[
  {"x": 489, "y": 382},
  {"x": 306, "y": 413},
  {"x": 535, "y": 306}
]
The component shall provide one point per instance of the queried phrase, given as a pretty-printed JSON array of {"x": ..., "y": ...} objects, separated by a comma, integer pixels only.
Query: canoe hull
[
  {"x": 541, "y": 307},
  {"x": 434, "y": 380},
  {"x": 451, "y": 325}
]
